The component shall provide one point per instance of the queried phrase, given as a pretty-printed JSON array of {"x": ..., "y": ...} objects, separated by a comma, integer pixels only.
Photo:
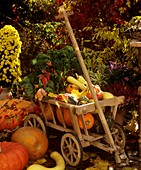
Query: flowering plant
[
  {"x": 122, "y": 80},
  {"x": 10, "y": 48}
]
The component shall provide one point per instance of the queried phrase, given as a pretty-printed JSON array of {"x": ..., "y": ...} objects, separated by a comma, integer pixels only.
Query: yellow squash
[
  {"x": 60, "y": 163},
  {"x": 73, "y": 80}
]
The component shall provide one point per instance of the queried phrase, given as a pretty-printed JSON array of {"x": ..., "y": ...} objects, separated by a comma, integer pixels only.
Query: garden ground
[
  {"x": 97, "y": 159},
  {"x": 94, "y": 158}
]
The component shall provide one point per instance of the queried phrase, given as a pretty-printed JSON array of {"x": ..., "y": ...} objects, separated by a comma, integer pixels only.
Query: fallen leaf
[{"x": 99, "y": 164}]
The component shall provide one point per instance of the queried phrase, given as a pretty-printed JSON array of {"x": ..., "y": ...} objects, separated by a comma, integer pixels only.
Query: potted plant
[{"x": 10, "y": 48}]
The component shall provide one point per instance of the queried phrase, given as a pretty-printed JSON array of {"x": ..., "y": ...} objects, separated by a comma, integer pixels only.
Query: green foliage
[
  {"x": 122, "y": 80},
  {"x": 110, "y": 44},
  {"x": 99, "y": 76},
  {"x": 49, "y": 71},
  {"x": 134, "y": 21},
  {"x": 32, "y": 82},
  {"x": 40, "y": 62},
  {"x": 41, "y": 37},
  {"x": 134, "y": 28},
  {"x": 37, "y": 26},
  {"x": 65, "y": 60},
  {"x": 27, "y": 85}
]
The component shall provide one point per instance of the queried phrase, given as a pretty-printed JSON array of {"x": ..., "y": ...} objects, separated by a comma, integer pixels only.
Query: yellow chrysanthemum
[
  {"x": 10, "y": 48},
  {"x": 5, "y": 70}
]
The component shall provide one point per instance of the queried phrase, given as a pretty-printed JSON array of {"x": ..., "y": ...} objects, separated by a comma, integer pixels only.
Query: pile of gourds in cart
[{"x": 31, "y": 143}]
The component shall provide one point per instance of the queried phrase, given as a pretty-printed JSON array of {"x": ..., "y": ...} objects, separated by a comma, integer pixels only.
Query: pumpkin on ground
[
  {"x": 13, "y": 111},
  {"x": 13, "y": 156},
  {"x": 3, "y": 102},
  {"x": 10, "y": 119},
  {"x": 33, "y": 139}
]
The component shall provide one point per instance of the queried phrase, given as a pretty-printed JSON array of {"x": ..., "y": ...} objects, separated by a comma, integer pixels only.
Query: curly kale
[
  {"x": 39, "y": 63},
  {"x": 49, "y": 71},
  {"x": 65, "y": 60}
]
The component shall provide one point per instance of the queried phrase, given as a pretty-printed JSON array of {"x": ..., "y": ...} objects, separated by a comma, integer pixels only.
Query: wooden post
[
  {"x": 86, "y": 75},
  {"x": 136, "y": 43},
  {"x": 139, "y": 111}
]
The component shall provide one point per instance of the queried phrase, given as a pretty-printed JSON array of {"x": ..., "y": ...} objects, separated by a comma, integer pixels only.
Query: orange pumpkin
[
  {"x": 13, "y": 156},
  {"x": 10, "y": 119},
  {"x": 71, "y": 87},
  {"x": 3, "y": 102},
  {"x": 33, "y": 139},
  {"x": 67, "y": 117},
  {"x": 12, "y": 112},
  {"x": 12, "y": 103},
  {"x": 58, "y": 114},
  {"x": 48, "y": 111},
  {"x": 28, "y": 105},
  {"x": 88, "y": 119}
]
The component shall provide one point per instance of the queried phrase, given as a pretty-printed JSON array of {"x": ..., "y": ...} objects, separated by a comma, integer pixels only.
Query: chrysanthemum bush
[{"x": 10, "y": 49}]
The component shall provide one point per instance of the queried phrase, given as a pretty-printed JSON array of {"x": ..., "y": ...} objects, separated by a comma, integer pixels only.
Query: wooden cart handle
[{"x": 86, "y": 75}]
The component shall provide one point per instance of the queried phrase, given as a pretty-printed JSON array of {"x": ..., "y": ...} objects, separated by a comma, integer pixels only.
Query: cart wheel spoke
[
  {"x": 66, "y": 142},
  {"x": 75, "y": 150},
  {"x": 71, "y": 149},
  {"x": 33, "y": 122},
  {"x": 75, "y": 153},
  {"x": 30, "y": 123},
  {"x": 72, "y": 156},
  {"x": 74, "y": 145},
  {"x": 119, "y": 137}
]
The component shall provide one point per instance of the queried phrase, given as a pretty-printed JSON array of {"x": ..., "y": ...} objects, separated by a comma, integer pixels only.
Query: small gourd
[
  {"x": 60, "y": 163},
  {"x": 71, "y": 87}
]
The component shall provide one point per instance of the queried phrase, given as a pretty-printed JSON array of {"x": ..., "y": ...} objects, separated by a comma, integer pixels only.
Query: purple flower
[
  {"x": 126, "y": 78},
  {"x": 113, "y": 65}
]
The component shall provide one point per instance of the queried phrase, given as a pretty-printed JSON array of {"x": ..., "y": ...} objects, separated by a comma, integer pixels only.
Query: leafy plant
[
  {"x": 99, "y": 76},
  {"x": 110, "y": 44},
  {"x": 39, "y": 76},
  {"x": 134, "y": 28},
  {"x": 122, "y": 80},
  {"x": 49, "y": 71},
  {"x": 65, "y": 60}
]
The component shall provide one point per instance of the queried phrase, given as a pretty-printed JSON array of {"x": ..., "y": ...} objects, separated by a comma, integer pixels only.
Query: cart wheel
[
  {"x": 35, "y": 121},
  {"x": 71, "y": 149},
  {"x": 119, "y": 137}
]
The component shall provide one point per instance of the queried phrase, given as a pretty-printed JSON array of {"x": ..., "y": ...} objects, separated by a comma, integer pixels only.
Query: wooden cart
[{"x": 74, "y": 139}]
